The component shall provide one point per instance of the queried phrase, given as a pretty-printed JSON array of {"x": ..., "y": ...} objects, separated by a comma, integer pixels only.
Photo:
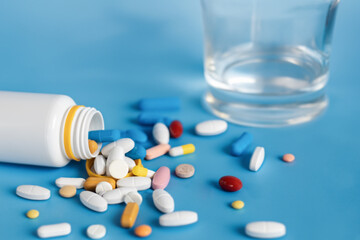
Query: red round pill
[
  {"x": 230, "y": 183},
  {"x": 176, "y": 129}
]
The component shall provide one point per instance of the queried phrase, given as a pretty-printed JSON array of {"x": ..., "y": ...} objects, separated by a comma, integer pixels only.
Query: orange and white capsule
[{"x": 182, "y": 150}]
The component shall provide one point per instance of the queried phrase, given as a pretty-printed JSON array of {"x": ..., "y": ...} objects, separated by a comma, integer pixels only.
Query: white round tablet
[
  {"x": 103, "y": 187},
  {"x": 117, "y": 169},
  {"x": 96, "y": 231}
]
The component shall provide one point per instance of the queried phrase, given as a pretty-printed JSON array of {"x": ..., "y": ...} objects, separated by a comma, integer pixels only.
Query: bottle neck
[{"x": 78, "y": 122}]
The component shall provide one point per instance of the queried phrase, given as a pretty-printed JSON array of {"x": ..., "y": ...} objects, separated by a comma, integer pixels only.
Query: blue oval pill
[
  {"x": 138, "y": 152},
  {"x": 136, "y": 135}
]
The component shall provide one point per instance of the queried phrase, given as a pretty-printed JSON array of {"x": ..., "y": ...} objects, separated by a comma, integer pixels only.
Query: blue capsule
[
  {"x": 138, "y": 152},
  {"x": 115, "y": 134},
  {"x": 243, "y": 142},
  {"x": 159, "y": 104},
  {"x": 149, "y": 119}
]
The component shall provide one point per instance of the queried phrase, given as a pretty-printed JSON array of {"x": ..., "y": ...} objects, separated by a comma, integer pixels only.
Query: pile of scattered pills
[{"x": 117, "y": 174}]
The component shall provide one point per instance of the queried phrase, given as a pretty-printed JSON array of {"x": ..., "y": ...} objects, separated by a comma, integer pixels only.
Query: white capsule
[
  {"x": 161, "y": 133},
  {"x": 96, "y": 231},
  {"x": 93, "y": 201},
  {"x": 163, "y": 201},
  {"x": 127, "y": 144},
  {"x": 65, "y": 181},
  {"x": 265, "y": 229},
  {"x": 130, "y": 162},
  {"x": 33, "y": 192},
  {"x": 103, "y": 187},
  {"x": 133, "y": 196},
  {"x": 117, "y": 195},
  {"x": 54, "y": 230},
  {"x": 257, "y": 159},
  {"x": 100, "y": 165},
  {"x": 140, "y": 183},
  {"x": 178, "y": 218},
  {"x": 211, "y": 127}
]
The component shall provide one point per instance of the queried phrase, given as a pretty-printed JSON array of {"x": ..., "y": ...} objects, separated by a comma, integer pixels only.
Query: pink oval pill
[
  {"x": 288, "y": 157},
  {"x": 157, "y": 151},
  {"x": 161, "y": 178}
]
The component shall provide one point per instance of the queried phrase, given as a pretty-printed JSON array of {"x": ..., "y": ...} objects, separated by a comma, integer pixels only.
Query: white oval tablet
[
  {"x": 131, "y": 163},
  {"x": 93, "y": 201},
  {"x": 33, "y": 192},
  {"x": 65, "y": 181},
  {"x": 100, "y": 165},
  {"x": 265, "y": 229},
  {"x": 116, "y": 153},
  {"x": 127, "y": 144},
  {"x": 133, "y": 196},
  {"x": 117, "y": 169},
  {"x": 211, "y": 127},
  {"x": 103, "y": 187},
  {"x": 117, "y": 195},
  {"x": 163, "y": 201},
  {"x": 140, "y": 183},
  {"x": 54, "y": 230},
  {"x": 178, "y": 218},
  {"x": 96, "y": 231},
  {"x": 257, "y": 159},
  {"x": 161, "y": 133}
]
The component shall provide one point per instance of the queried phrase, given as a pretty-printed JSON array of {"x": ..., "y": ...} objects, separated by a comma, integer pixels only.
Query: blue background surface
[{"x": 109, "y": 54}]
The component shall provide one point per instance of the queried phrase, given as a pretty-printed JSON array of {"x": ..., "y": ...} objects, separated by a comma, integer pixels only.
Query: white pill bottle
[{"x": 45, "y": 129}]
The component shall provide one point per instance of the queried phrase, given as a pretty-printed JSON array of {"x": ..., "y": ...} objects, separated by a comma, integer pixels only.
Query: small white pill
[
  {"x": 103, "y": 187},
  {"x": 257, "y": 159},
  {"x": 65, "y": 181},
  {"x": 178, "y": 218},
  {"x": 127, "y": 144},
  {"x": 100, "y": 165},
  {"x": 96, "y": 231},
  {"x": 163, "y": 201},
  {"x": 161, "y": 133},
  {"x": 133, "y": 196},
  {"x": 130, "y": 162},
  {"x": 117, "y": 195},
  {"x": 54, "y": 230},
  {"x": 140, "y": 183},
  {"x": 33, "y": 192},
  {"x": 265, "y": 229},
  {"x": 211, "y": 127},
  {"x": 93, "y": 201}
]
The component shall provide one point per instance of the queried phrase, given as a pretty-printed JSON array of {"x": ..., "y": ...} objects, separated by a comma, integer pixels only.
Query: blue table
[{"x": 109, "y": 54}]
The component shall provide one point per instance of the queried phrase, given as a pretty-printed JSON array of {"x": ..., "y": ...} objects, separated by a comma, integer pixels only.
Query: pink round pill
[{"x": 288, "y": 157}]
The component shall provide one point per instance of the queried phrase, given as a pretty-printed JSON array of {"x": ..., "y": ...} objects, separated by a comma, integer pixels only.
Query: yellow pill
[
  {"x": 93, "y": 146},
  {"x": 32, "y": 213},
  {"x": 139, "y": 171},
  {"x": 129, "y": 215},
  {"x": 238, "y": 204},
  {"x": 138, "y": 162},
  {"x": 182, "y": 150}
]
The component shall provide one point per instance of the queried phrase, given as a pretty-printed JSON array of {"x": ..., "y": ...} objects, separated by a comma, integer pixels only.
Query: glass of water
[{"x": 267, "y": 62}]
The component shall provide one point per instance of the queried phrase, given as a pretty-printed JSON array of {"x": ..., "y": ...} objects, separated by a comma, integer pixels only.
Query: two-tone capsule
[{"x": 182, "y": 150}]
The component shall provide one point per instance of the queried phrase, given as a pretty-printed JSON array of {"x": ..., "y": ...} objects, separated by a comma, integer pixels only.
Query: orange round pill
[
  {"x": 143, "y": 231},
  {"x": 92, "y": 146},
  {"x": 288, "y": 157}
]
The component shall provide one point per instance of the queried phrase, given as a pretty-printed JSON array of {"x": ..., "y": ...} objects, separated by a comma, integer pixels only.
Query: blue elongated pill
[
  {"x": 110, "y": 135},
  {"x": 159, "y": 104},
  {"x": 135, "y": 134},
  {"x": 239, "y": 146},
  {"x": 138, "y": 152},
  {"x": 149, "y": 119}
]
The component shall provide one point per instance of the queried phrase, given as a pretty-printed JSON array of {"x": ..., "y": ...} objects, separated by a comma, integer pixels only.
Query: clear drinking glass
[{"x": 267, "y": 62}]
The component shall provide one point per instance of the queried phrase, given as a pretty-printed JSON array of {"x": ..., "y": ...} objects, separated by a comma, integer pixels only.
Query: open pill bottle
[{"x": 45, "y": 129}]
